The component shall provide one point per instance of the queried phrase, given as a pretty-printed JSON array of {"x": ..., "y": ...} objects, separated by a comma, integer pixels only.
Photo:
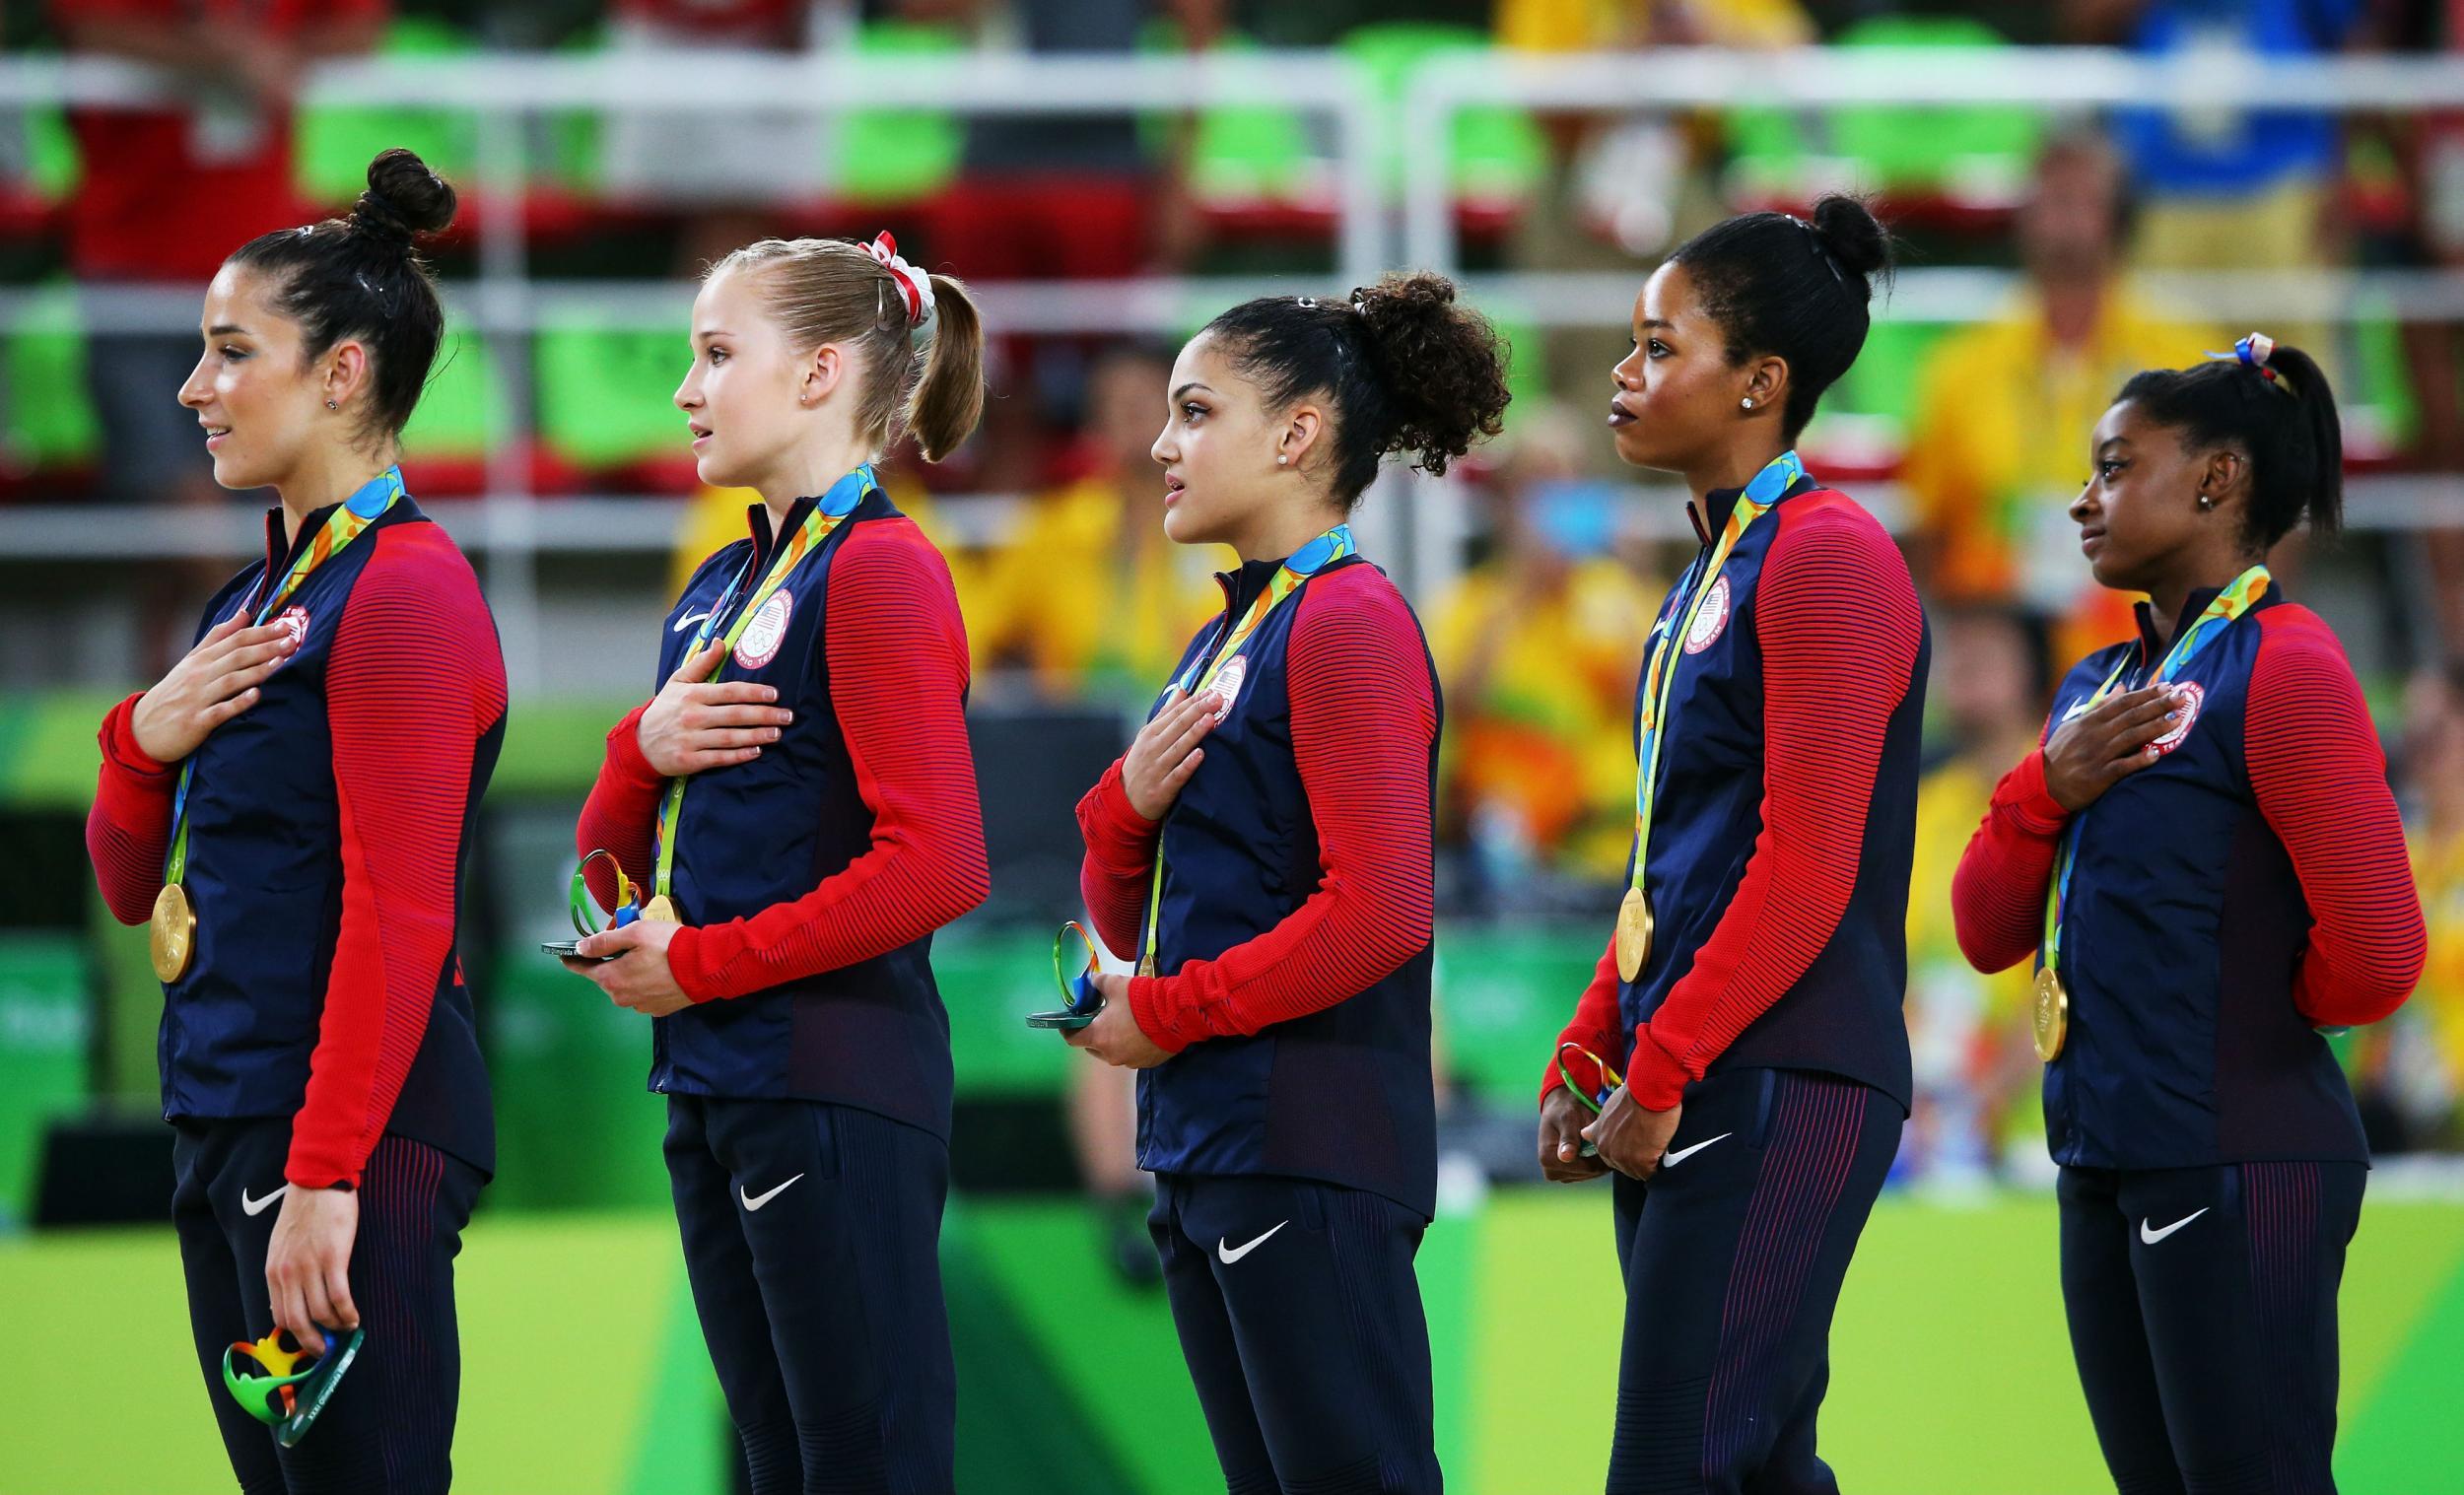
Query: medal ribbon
[
  {"x": 1306, "y": 561},
  {"x": 826, "y": 515},
  {"x": 349, "y": 519},
  {"x": 2231, "y": 603},
  {"x": 1660, "y": 674}
]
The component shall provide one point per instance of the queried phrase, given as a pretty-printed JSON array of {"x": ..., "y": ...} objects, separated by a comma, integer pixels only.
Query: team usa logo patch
[
  {"x": 1226, "y": 688},
  {"x": 1710, "y": 620},
  {"x": 2188, "y": 697},
  {"x": 762, "y": 637}
]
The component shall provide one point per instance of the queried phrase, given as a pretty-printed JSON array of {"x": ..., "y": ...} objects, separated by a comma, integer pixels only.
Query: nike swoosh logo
[
  {"x": 2152, "y": 1237},
  {"x": 1229, "y": 1254},
  {"x": 257, "y": 1206},
  {"x": 1672, "y": 1159},
  {"x": 685, "y": 621},
  {"x": 753, "y": 1201}
]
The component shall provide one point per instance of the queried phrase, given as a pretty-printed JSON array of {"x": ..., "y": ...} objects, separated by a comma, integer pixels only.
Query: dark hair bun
[
  {"x": 1852, "y": 236},
  {"x": 1441, "y": 366},
  {"x": 403, "y": 198}
]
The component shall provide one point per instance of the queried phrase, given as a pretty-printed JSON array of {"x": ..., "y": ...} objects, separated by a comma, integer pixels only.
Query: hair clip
[
  {"x": 1360, "y": 308},
  {"x": 1813, "y": 241},
  {"x": 1307, "y": 302},
  {"x": 2254, "y": 350}
]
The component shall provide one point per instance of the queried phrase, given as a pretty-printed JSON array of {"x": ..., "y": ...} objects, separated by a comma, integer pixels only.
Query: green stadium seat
[
  {"x": 891, "y": 157},
  {"x": 50, "y": 425},
  {"x": 333, "y": 144},
  {"x": 444, "y": 448},
  {"x": 604, "y": 392},
  {"x": 1497, "y": 157},
  {"x": 1965, "y": 156}
]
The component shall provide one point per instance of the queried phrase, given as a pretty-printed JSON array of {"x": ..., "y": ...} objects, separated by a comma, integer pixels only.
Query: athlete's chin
[{"x": 1636, "y": 448}]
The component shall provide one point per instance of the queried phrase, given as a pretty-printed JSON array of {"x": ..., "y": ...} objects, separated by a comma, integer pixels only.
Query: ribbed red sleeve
[
  {"x": 1839, "y": 624},
  {"x": 1998, "y": 894},
  {"x": 414, "y": 680},
  {"x": 2320, "y": 778},
  {"x": 128, "y": 829},
  {"x": 621, "y": 816},
  {"x": 1364, "y": 719},
  {"x": 897, "y": 655},
  {"x": 1118, "y": 870}
]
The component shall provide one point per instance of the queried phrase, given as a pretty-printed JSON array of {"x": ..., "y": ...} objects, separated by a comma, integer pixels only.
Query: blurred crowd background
[{"x": 2050, "y": 252}]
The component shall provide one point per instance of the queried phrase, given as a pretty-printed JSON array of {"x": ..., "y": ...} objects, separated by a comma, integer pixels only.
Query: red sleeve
[
  {"x": 897, "y": 680},
  {"x": 622, "y": 812},
  {"x": 128, "y": 831},
  {"x": 1118, "y": 871},
  {"x": 1998, "y": 894},
  {"x": 2321, "y": 781},
  {"x": 1839, "y": 624},
  {"x": 1597, "y": 1024},
  {"x": 414, "y": 680},
  {"x": 1364, "y": 719}
]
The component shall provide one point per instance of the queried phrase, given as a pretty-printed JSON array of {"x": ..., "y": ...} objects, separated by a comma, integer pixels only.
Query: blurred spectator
[
  {"x": 2227, "y": 186},
  {"x": 1089, "y": 594},
  {"x": 1968, "y": 1034},
  {"x": 169, "y": 190},
  {"x": 2423, "y": 220},
  {"x": 729, "y": 172},
  {"x": 1998, "y": 445},
  {"x": 1538, "y": 647},
  {"x": 2412, "y": 1067}
]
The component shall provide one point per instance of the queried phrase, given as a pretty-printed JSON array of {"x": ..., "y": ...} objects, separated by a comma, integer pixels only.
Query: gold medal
[
  {"x": 2052, "y": 1013},
  {"x": 1633, "y": 934},
  {"x": 660, "y": 911},
  {"x": 174, "y": 936}
]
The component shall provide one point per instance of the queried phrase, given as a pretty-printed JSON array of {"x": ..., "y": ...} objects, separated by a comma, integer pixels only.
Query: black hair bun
[
  {"x": 1852, "y": 236},
  {"x": 1441, "y": 365},
  {"x": 403, "y": 198}
]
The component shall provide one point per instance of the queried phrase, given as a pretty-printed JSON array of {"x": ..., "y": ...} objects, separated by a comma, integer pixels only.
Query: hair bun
[
  {"x": 403, "y": 198},
  {"x": 1852, "y": 235},
  {"x": 1440, "y": 363}
]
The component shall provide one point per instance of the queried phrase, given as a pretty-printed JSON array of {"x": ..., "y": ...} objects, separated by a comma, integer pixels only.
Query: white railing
[{"x": 501, "y": 304}]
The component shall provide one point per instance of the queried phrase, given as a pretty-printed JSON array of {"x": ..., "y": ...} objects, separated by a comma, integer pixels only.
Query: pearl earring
[
  {"x": 1748, "y": 402},
  {"x": 1283, "y": 461}
]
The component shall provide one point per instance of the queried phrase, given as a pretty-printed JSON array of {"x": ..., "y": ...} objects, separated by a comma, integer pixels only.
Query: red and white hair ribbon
[{"x": 915, "y": 287}]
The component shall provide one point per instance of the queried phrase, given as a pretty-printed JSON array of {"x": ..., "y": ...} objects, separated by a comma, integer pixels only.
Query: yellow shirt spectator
[
  {"x": 1540, "y": 668},
  {"x": 1091, "y": 595},
  {"x": 2439, "y": 871},
  {"x": 1999, "y": 448}
]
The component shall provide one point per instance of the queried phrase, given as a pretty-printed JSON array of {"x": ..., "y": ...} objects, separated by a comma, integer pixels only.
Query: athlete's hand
[
  {"x": 308, "y": 1264},
  {"x": 1115, "y": 1036},
  {"x": 1561, "y": 1159},
  {"x": 2100, "y": 747},
  {"x": 1166, "y": 752},
  {"x": 1631, "y": 1139},
  {"x": 694, "y": 724},
  {"x": 216, "y": 682},
  {"x": 639, "y": 978}
]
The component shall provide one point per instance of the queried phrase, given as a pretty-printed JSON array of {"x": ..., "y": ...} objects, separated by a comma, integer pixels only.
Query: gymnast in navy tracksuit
[
  {"x": 292, "y": 803},
  {"x": 1263, "y": 850},
  {"x": 798, "y": 805},
  {"x": 1752, "y": 996},
  {"x": 2207, "y": 863}
]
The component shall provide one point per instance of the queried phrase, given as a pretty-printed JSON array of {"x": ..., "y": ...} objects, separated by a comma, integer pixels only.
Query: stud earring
[
  {"x": 330, "y": 405},
  {"x": 2204, "y": 501},
  {"x": 1281, "y": 461},
  {"x": 1748, "y": 402}
]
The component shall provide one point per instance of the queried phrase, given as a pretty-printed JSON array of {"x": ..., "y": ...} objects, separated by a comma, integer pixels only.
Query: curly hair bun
[{"x": 1440, "y": 364}]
